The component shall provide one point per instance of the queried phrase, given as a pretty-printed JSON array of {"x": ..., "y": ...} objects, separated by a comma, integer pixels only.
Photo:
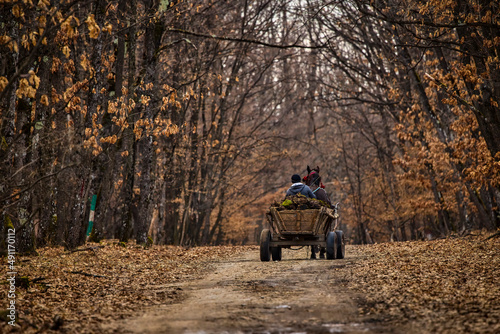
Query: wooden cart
[{"x": 310, "y": 227}]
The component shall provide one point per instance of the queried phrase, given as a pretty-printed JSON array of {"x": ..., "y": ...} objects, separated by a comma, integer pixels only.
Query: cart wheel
[
  {"x": 340, "y": 244},
  {"x": 331, "y": 246},
  {"x": 276, "y": 253},
  {"x": 265, "y": 238}
]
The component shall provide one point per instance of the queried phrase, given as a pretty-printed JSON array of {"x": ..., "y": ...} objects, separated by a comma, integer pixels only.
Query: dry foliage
[
  {"x": 299, "y": 202},
  {"x": 441, "y": 286},
  {"x": 77, "y": 291}
]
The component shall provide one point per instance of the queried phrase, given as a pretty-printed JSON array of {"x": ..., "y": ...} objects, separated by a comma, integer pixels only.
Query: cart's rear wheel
[
  {"x": 276, "y": 253},
  {"x": 265, "y": 239},
  {"x": 340, "y": 244},
  {"x": 331, "y": 246}
]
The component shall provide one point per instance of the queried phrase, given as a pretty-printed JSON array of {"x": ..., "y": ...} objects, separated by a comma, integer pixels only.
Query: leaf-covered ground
[
  {"x": 74, "y": 292},
  {"x": 441, "y": 286}
]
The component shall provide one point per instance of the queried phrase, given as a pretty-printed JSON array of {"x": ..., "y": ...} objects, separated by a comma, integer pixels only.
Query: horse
[{"x": 314, "y": 179}]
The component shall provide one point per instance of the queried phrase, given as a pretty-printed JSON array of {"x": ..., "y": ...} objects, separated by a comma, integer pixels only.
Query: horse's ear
[
  {"x": 308, "y": 170},
  {"x": 317, "y": 168}
]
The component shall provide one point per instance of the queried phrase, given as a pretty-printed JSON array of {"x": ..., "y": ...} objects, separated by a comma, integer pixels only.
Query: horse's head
[{"x": 312, "y": 177}]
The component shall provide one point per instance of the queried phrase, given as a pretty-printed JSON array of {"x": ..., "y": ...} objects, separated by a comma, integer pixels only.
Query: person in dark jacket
[
  {"x": 299, "y": 188},
  {"x": 317, "y": 190}
]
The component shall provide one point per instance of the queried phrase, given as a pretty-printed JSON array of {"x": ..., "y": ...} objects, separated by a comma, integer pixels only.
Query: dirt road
[{"x": 245, "y": 295}]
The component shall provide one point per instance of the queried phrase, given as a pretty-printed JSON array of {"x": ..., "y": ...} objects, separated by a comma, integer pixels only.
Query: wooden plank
[
  {"x": 302, "y": 222},
  {"x": 298, "y": 221},
  {"x": 287, "y": 243},
  {"x": 272, "y": 224},
  {"x": 277, "y": 220}
]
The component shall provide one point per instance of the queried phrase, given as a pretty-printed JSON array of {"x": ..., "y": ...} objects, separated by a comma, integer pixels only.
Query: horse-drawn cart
[{"x": 309, "y": 227}]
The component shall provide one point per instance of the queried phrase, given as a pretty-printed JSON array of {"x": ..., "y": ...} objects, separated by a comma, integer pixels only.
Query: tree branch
[
  {"x": 35, "y": 183},
  {"x": 245, "y": 40}
]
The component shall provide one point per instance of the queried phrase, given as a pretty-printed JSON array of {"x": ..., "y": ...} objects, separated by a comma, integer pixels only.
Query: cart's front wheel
[
  {"x": 331, "y": 246},
  {"x": 276, "y": 253},
  {"x": 340, "y": 244},
  {"x": 265, "y": 239}
]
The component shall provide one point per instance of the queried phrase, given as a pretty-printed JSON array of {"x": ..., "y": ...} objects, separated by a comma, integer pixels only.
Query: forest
[{"x": 179, "y": 122}]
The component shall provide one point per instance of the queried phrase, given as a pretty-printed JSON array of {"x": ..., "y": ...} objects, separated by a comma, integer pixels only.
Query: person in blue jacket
[{"x": 298, "y": 187}]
